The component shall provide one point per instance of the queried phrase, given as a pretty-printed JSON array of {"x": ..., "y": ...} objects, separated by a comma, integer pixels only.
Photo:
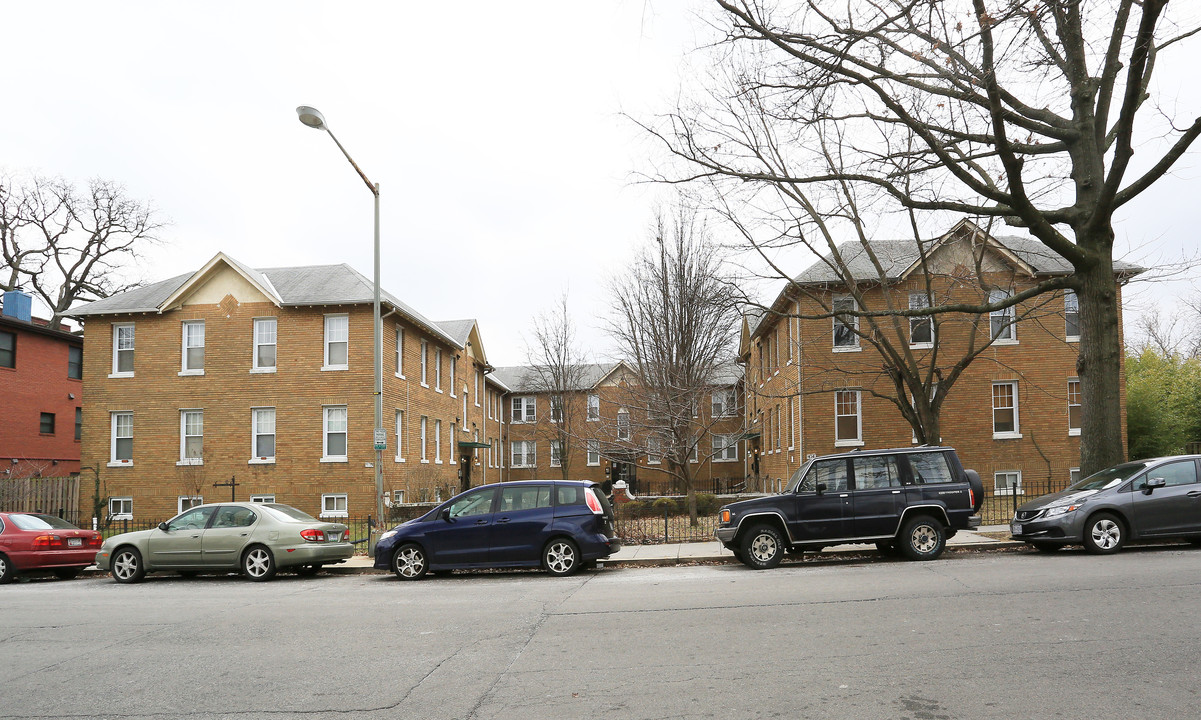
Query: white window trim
[
  {"x": 588, "y": 408},
  {"x": 113, "y": 462},
  {"x": 528, "y": 402},
  {"x": 624, "y": 434},
  {"x": 334, "y": 513},
  {"x": 525, "y": 453},
  {"x": 325, "y": 342},
  {"x": 1010, "y": 313},
  {"x": 255, "y": 459},
  {"x": 856, "y": 441},
  {"x": 590, "y": 452},
  {"x": 437, "y": 442},
  {"x": 183, "y": 439},
  {"x": 1016, "y": 434},
  {"x": 400, "y": 436},
  {"x": 425, "y": 363},
  {"x": 927, "y": 318},
  {"x": 556, "y": 458},
  {"x": 477, "y": 388},
  {"x": 179, "y": 502},
  {"x": 116, "y": 333},
  {"x": 184, "y": 370},
  {"x": 728, "y": 443},
  {"x": 120, "y": 515},
  {"x": 854, "y": 323},
  {"x": 1008, "y": 491},
  {"x": 437, "y": 369},
  {"x": 1066, "y": 337},
  {"x": 400, "y": 353},
  {"x": 265, "y": 498},
  {"x": 651, "y": 457},
  {"x": 454, "y": 360},
  {"x": 425, "y": 422},
  {"x": 254, "y": 345},
  {"x": 1074, "y": 432},
  {"x": 325, "y": 458}
]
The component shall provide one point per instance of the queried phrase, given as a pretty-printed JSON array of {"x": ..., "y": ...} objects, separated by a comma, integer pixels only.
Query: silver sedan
[{"x": 256, "y": 538}]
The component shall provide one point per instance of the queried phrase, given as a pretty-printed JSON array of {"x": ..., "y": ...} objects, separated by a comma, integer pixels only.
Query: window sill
[
  {"x": 848, "y": 443},
  {"x": 400, "y": 459},
  {"x": 334, "y": 368},
  {"x": 438, "y": 390},
  {"x": 120, "y": 517},
  {"x": 261, "y": 461},
  {"x": 593, "y": 465},
  {"x": 336, "y": 459},
  {"x": 847, "y": 349},
  {"x": 1007, "y": 436},
  {"x": 425, "y": 385},
  {"x": 121, "y": 463},
  {"x": 1004, "y": 342},
  {"x": 400, "y": 375},
  {"x": 1072, "y": 338},
  {"x": 725, "y": 460},
  {"x": 921, "y": 346},
  {"x": 120, "y": 375},
  {"x": 425, "y": 462},
  {"x": 189, "y": 461},
  {"x": 262, "y": 371},
  {"x": 437, "y": 462},
  {"x": 189, "y": 373},
  {"x": 1074, "y": 432},
  {"x": 333, "y": 515}
]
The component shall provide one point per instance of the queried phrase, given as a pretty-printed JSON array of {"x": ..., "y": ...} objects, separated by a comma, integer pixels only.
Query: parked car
[
  {"x": 558, "y": 525},
  {"x": 33, "y": 542},
  {"x": 1145, "y": 499},
  {"x": 257, "y": 538},
  {"x": 907, "y": 500}
]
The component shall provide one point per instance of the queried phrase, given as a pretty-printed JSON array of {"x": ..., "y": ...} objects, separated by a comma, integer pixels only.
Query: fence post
[{"x": 665, "y": 514}]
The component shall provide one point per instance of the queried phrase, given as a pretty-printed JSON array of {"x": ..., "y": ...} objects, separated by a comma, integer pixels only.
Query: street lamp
[{"x": 314, "y": 119}]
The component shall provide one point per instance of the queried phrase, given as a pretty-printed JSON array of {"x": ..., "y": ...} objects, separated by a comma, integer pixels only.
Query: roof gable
[{"x": 220, "y": 277}]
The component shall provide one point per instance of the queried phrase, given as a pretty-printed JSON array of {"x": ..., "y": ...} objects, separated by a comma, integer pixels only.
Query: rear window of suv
[
  {"x": 569, "y": 495},
  {"x": 930, "y": 468}
]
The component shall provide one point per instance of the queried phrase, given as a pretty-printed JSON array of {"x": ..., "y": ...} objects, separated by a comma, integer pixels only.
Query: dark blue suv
[{"x": 558, "y": 525}]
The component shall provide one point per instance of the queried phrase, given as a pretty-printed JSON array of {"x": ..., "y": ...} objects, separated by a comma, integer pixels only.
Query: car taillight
[
  {"x": 312, "y": 535},
  {"x": 95, "y": 541},
  {"x": 593, "y": 501},
  {"x": 971, "y": 498},
  {"x": 47, "y": 541}
]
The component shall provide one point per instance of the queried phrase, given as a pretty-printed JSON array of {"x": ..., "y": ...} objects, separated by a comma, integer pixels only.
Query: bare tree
[
  {"x": 1019, "y": 110},
  {"x": 68, "y": 245},
  {"x": 675, "y": 320},
  {"x": 558, "y": 373}
]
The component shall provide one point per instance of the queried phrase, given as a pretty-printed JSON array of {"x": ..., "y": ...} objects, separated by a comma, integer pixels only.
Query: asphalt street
[{"x": 974, "y": 635}]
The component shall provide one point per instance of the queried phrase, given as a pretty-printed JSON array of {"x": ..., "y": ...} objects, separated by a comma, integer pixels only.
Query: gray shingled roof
[
  {"x": 460, "y": 330},
  {"x": 296, "y": 286},
  {"x": 523, "y": 378}
]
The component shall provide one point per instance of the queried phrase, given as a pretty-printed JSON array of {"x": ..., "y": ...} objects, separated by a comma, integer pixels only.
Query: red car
[{"x": 36, "y": 542}]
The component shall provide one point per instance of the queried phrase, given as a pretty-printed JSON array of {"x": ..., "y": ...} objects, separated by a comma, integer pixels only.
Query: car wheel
[
  {"x": 127, "y": 566},
  {"x": 409, "y": 563},
  {"x": 561, "y": 557},
  {"x": 308, "y": 570},
  {"x": 763, "y": 547},
  {"x": 1046, "y": 547},
  {"x": 1103, "y": 534},
  {"x": 922, "y": 538},
  {"x": 7, "y": 571},
  {"x": 66, "y": 573},
  {"x": 258, "y": 564}
]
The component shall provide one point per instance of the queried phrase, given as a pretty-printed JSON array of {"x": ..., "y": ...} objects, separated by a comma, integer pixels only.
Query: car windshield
[
  {"x": 287, "y": 512},
  {"x": 40, "y": 522},
  {"x": 1109, "y": 477}
]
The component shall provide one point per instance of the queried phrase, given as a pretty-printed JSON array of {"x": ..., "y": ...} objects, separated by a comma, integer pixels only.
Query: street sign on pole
[{"x": 381, "y": 439}]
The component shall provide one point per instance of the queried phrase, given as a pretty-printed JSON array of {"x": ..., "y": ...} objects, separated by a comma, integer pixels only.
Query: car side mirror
[
  {"x": 1152, "y": 483},
  {"x": 162, "y": 526},
  {"x": 821, "y": 488},
  {"x": 445, "y": 515}
]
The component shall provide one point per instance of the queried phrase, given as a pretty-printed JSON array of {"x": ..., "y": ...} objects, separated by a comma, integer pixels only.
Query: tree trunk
[{"x": 1099, "y": 366}]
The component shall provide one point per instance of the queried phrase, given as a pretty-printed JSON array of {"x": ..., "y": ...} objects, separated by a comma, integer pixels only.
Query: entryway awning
[{"x": 469, "y": 445}]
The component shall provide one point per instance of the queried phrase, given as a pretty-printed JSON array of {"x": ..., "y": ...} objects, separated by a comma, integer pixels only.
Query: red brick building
[{"x": 41, "y": 383}]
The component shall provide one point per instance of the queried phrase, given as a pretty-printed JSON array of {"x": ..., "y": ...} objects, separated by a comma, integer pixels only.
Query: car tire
[
  {"x": 7, "y": 571},
  {"x": 308, "y": 570},
  {"x": 258, "y": 564},
  {"x": 1104, "y": 534},
  {"x": 1046, "y": 547},
  {"x": 127, "y": 566},
  {"x": 561, "y": 557},
  {"x": 409, "y": 562},
  {"x": 763, "y": 547},
  {"x": 67, "y": 573},
  {"x": 922, "y": 538}
]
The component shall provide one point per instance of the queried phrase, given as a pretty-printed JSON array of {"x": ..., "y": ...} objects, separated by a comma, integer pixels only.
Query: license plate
[
  {"x": 333, "y": 536},
  {"x": 74, "y": 542},
  {"x": 1015, "y": 529}
]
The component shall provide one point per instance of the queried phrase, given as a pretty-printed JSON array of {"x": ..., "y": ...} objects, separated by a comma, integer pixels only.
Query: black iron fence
[{"x": 1000, "y": 503}]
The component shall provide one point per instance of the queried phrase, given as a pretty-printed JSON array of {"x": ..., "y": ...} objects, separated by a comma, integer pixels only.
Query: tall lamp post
[{"x": 314, "y": 119}]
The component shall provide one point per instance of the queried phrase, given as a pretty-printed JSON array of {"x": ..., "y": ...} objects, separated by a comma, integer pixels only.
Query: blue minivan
[{"x": 558, "y": 525}]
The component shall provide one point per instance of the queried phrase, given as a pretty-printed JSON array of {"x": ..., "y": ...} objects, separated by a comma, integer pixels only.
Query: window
[
  {"x": 654, "y": 451},
  {"x": 191, "y": 437},
  {"x": 556, "y": 409},
  {"x": 930, "y": 468},
  {"x": 556, "y": 453},
  {"x": 398, "y": 497},
  {"x": 400, "y": 352},
  {"x": 193, "y": 348},
  {"x": 1071, "y": 315},
  {"x": 1007, "y": 483},
  {"x": 78, "y": 423},
  {"x": 438, "y": 369},
  {"x": 464, "y": 408},
  {"x": 123, "y": 337},
  {"x": 454, "y": 360},
  {"x": 1002, "y": 321},
  {"x": 921, "y": 327},
  {"x": 262, "y": 434},
  {"x": 873, "y": 472},
  {"x": 845, "y": 326},
  {"x": 196, "y": 520},
  {"x": 524, "y": 497},
  {"x": 593, "y": 408},
  {"x": 1175, "y": 474},
  {"x": 74, "y": 361},
  {"x": 1005, "y": 410},
  {"x": 831, "y": 473},
  {"x": 8, "y": 350},
  {"x": 333, "y": 505},
  {"x": 437, "y": 441},
  {"x": 525, "y": 453},
  {"x": 46, "y": 424},
  {"x": 1074, "y": 476},
  {"x": 121, "y": 447},
  {"x": 473, "y": 504},
  {"x": 724, "y": 403},
  {"x": 623, "y": 424},
  {"x": 593, "y": 453},
  {"x": 477, "y": 388},
  {"x": 334, "y": 446},
  {"x": 524, "y": 410},
  {"x": 264, "y": 344},
  {"x": 400, "y": 436},
  {"x": 725, "y": 448},
  {"x": 262, "y": 498},
  {"x": 1074, "y": 407},
  {"x": 424, "y": 441},
  {"x": 425, "y": 356},
  {"x": 337, "y": 342},
  {"x": 779, "y": 426},
  {"x": 120, "y": 508},
  {"x": 847, "y": 425},
  {"x": 694, "y": 449}
]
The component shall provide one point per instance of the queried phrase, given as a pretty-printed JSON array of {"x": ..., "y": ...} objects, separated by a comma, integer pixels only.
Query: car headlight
[
  {"x": 1061, "y": 510},
  {"x": 387, "y": 535},
  {"x": 724, "y": 516}
]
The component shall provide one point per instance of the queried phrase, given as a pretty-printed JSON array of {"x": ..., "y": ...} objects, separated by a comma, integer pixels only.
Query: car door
[
  {"x": 822, "y": 503},
  {"x": 461, "y": 533},
  {"x": 877, "y": 498},
  {"x": 1173, "y": 509},
  {"x": 222, "y": 542},
  {"x": 521, "y": 520},
  {"x": 179, "y": 546}
]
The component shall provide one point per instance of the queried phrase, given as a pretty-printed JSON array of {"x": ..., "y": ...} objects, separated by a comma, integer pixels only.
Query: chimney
[{"x": 18, "y": 305}]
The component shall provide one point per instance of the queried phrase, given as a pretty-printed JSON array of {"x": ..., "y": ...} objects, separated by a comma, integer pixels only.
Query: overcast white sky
[{"x": 494, "y": 130}]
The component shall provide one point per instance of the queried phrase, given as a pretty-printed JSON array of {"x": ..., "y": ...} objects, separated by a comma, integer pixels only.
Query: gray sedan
[
  {"x": 257, "y": 538},
  {"x": 1145, "y": 499}
]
